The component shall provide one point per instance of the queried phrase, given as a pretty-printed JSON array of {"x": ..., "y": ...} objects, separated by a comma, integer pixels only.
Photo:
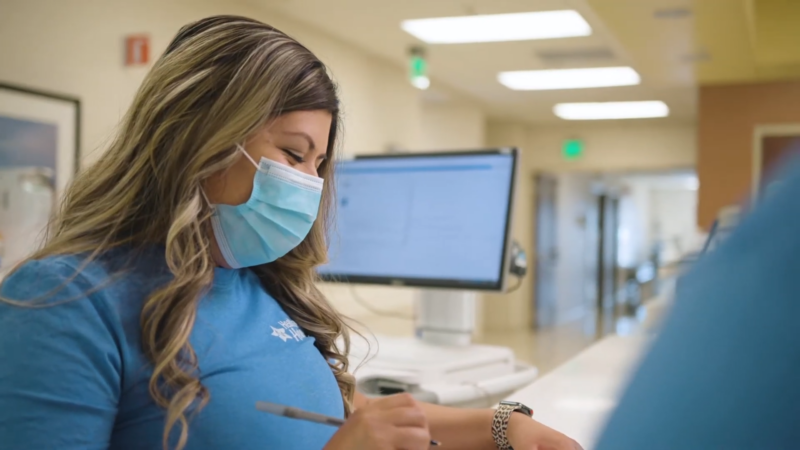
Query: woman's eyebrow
[{"x": 311, "y": 145}]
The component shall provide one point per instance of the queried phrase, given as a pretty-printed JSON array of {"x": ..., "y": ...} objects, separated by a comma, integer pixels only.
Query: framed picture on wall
[{"x": 39, "y": 147}]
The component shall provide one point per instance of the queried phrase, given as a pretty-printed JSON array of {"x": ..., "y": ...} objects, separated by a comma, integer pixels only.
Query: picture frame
[
  {"x": 25, "y": 107},
  {"x": 39, "y": 155}
]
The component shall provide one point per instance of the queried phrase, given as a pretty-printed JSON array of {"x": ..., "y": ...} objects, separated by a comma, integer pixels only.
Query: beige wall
[
  {"x": 75, "y": 47},
  {"x": 614, "y": 146},
  {"x": 610, "y": 146},
  {"x": 452, "y": 126},
  {"x": 508, "y": 312}
]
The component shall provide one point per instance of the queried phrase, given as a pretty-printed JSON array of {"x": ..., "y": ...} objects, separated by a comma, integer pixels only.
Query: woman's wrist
[
  {"x": 524, "y": 433},
  {"x": 518, "y": 424},
  {"x": 505, "y": 420}
]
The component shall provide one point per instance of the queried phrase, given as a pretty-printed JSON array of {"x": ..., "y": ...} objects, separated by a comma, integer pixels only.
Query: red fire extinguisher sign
[{"x": 137, "y": 50}]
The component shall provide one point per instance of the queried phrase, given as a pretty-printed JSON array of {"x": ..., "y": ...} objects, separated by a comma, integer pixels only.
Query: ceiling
[
  {"x": 674, "y": 44},
  {"x": 728, "y": 41}
]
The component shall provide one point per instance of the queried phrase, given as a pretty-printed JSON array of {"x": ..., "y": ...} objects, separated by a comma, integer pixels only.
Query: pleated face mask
[{"x": 278, "y": 216}]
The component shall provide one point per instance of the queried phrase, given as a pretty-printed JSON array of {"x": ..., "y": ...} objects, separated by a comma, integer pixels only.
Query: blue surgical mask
[{"x": 278, "y": 216}]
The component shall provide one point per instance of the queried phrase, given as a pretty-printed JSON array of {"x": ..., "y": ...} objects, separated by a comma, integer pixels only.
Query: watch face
[{"x": 519, "y": 407}]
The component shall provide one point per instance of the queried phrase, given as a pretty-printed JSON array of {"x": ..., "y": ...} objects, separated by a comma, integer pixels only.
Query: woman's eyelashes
[{"x": 297, "y": 158}]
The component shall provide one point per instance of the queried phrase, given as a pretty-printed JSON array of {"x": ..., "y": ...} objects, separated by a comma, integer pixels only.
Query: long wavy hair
[{"x": 220, "y": 80}]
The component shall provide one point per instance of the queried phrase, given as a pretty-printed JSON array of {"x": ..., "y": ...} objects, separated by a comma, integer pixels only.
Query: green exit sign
[
  {"x": 572, "y": 149},
  {"x": 419, "y": 68}
]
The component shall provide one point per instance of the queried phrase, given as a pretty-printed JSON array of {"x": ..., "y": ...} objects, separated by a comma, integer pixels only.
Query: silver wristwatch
[{"x": 502, "y": 415}]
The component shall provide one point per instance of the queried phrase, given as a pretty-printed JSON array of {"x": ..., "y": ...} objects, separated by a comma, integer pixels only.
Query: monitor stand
[
  {"x": 440, "y": 365},
  {"x": 445, "y": 317}
]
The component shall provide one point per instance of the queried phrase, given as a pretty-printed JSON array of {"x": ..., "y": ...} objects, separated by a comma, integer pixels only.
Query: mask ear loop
[
  {"x": 203, "y": 193},
  {"x": 241, "y": 149}
]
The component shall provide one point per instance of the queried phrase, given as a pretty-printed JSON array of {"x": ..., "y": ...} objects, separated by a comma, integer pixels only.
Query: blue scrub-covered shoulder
[
  {"x": 61, "y": 368},
  {"x": 724, "y": 372},
  {"x": 44, "y": 282}
]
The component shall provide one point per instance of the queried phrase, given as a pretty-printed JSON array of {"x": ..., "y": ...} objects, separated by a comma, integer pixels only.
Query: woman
[{"x": 176, "y": 286}]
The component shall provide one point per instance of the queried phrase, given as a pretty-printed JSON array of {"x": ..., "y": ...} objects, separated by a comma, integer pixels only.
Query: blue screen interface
[{"x": 424, "y": 217}]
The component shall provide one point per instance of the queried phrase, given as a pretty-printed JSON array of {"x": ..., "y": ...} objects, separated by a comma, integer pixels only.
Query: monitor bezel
[{"x": 499, "y": 285}]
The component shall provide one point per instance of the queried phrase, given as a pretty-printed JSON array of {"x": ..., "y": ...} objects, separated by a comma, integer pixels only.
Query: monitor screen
[{"x": 428, "y": 220}]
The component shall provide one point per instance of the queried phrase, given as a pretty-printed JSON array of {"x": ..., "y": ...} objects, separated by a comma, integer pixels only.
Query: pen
[{"x": 295, "y": 413}]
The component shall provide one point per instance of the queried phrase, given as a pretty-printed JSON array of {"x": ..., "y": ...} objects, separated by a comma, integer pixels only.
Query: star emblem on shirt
[{"x": 280, "y": 333}]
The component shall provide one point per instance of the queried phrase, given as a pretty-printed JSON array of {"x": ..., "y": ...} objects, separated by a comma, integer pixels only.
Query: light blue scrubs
[{"x": 73, "y": 376}]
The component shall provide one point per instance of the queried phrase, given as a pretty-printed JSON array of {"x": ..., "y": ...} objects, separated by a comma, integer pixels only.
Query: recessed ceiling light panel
[
  {"x": 611, "y": 110},
  {"x": 498, "y": 27},
  {"x": 541, "y": 80}
]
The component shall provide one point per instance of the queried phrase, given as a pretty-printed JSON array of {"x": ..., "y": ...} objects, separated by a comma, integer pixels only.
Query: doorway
[
  {"x": 601, "y": 240},
  {"x": 773, "y": 146},
  {"x": 607, "y": 244},
  {"x": 546, "y": 238},
  {"x": 566, "y": 248}
]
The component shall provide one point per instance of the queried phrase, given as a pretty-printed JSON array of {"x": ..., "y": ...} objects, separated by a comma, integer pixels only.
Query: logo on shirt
[{"x": 288, "y": 330}]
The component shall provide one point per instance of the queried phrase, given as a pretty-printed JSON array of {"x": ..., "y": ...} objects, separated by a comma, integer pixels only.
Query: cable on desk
[{"x": 516, "y": 286}]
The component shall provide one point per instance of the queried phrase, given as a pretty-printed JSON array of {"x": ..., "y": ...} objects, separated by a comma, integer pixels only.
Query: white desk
[{"x": 577, "y": 397}]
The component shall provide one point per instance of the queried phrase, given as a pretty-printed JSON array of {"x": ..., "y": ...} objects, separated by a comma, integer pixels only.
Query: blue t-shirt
[
  {"x": 73, "y": 375},
  {"x": 725, "y": 372}
]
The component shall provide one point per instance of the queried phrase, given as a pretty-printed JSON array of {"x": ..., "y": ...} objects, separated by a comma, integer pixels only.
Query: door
[
  {"x": 775, "y": 151},
  {"x": 608, "y": 222},
  {"x": 545, "y": 301}
]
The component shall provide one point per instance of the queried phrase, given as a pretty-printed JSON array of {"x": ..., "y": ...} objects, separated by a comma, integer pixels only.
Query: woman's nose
[{"x": 309, "y": 168}]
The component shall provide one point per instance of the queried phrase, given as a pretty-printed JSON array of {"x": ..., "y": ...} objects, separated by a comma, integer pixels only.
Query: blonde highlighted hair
[{"x": 220, "y": 80}]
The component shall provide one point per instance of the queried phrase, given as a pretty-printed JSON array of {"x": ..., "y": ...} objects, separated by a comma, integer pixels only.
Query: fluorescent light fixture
[
  {"x": 498, "y": 27},
  {"x": 421, "y": 82},
  {"x": 542, "y": 80},
  {"x": 611, "y": 110}
]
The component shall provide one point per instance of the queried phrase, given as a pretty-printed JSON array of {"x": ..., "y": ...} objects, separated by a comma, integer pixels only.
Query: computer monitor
[{"x": 425, "y": 220}]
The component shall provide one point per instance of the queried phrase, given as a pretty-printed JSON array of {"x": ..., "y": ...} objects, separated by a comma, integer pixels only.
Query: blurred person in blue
[
  {"x": 725, "y": 371},
  {"x": 176, "y": 286}
]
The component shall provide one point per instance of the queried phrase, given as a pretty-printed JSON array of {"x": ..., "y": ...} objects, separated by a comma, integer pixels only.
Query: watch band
[{"x": 502, "y": 416}]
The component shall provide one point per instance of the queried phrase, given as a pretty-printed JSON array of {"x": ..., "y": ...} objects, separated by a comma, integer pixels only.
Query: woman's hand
[
  {"x": 527, "y": 434},
  {"x": 388, "y": 423}
]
